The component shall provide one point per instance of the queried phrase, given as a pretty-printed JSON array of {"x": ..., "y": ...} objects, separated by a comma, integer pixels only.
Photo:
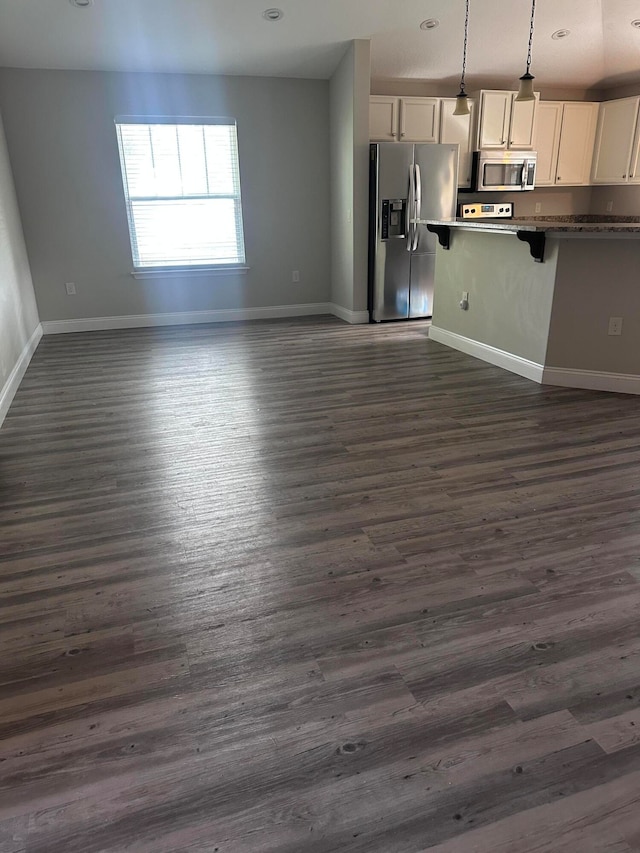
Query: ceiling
[{"x": 232, "y": 37}]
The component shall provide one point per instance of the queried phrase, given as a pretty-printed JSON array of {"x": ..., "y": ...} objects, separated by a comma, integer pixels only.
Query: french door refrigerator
[{"x": 407, "y": 183}]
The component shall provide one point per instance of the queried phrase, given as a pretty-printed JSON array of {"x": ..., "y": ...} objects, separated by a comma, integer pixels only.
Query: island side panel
[
  {"x": 596, "y": 279},
  {"x": 510, "y": 295}
]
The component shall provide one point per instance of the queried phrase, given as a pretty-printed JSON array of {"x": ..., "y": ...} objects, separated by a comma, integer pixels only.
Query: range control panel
[{"x": 478, "y": 210}]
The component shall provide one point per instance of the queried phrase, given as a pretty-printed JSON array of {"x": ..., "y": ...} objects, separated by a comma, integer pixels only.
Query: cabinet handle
[
  {"x": 403, "y": 134},
  {"x": 624, "y": 176}
]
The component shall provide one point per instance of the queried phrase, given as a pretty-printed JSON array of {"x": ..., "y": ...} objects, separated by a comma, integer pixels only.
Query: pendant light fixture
[
  {"x": 525, "y": 92},
  {"x": 462, "y": 99}
]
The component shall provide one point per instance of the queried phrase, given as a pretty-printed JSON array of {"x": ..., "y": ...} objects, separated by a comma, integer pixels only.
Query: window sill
[{"x": 182, "y": 272}]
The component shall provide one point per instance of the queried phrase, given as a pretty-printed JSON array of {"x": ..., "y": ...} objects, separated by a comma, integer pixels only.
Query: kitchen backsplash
[
  {"x": 553, "y": 201},
  {"x": 567, "y": 201},
  {"x": 626, "y": 200}
]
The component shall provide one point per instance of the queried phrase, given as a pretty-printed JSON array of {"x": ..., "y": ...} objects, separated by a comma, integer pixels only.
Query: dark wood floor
[{"x": 301, "y": 587}]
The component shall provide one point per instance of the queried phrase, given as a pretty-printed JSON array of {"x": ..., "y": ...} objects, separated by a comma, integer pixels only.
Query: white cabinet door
[
  {"x": 614, "y": 141},
  {"x": 457, "y": 130},
  {"x": 547, "y": 140},
  {"x": 575, "y": 150},
  {"x": 419, "y": 119},
  {"x": 495, "y": 113},
  {"x": 383, "y": 118},
  {"x": 523, "y": 120},
  {"x": 634, "y": 174}
]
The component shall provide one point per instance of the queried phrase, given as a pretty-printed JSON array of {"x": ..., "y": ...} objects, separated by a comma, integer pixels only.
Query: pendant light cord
[
  {"x": 464, "y": 50},
  {"x": 533, "y": 15}
]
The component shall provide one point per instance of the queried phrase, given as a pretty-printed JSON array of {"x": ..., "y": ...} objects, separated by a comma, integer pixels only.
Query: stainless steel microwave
[{"x": 503, "y": 171}]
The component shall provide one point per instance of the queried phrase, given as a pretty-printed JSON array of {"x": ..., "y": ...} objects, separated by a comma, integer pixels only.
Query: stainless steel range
[{"x": 484, "y": 210}]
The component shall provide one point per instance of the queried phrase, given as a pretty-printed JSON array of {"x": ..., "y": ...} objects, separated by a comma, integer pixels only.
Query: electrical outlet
[
  {"x": 609, "y": 206},
  {"x": 295, "y": 276},
  {"x": 70, "y": 288},
  {"x": 538, "y": 207},
  {"x": 615, "y": 325}
]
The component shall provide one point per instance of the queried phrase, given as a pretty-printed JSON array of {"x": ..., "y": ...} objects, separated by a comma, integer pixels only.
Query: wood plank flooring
[{"x": 300, "y": 587}]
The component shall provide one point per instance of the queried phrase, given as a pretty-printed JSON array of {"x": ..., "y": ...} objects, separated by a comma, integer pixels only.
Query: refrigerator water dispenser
[{"x": 394, "y": 218}]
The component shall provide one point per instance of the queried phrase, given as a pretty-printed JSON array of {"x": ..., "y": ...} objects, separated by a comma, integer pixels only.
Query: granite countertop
[{"x": 557, "y": 224}]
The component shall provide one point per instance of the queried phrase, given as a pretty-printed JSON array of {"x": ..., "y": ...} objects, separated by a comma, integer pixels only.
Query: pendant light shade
[
  {"x": 525, "y": 92},
  {"x": 462, "y": 105},
  {"x": 462, "y": 99}
]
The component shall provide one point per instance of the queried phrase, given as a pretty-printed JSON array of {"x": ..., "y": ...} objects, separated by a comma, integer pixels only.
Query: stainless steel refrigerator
[{"x": 407, "y": 183}]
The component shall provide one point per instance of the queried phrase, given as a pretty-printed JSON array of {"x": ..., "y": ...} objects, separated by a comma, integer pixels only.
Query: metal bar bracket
[{"x": 536, "y": 241}]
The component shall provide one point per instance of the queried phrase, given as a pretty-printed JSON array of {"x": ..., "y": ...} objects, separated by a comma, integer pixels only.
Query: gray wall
[
  {"x": 64, "y": 154},
  {"x": 596, "y": 279},
  {"x": 349, "y": 109},
  {"x": 510, "y": 295},
  {"x": 18, "y": 312}
]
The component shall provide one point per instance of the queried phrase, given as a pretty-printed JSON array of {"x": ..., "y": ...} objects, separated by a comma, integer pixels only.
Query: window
[{"x": 182, "y": 186}]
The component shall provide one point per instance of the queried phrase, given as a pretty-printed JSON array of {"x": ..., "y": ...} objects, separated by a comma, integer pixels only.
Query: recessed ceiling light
[
  {"x": 636, "y": 23},
  {"x": 430, "y": 24},
  {"x": 273, "y": 14},
  {"x": 560, "y": 34},
  {"x": 81, "y": 4}
]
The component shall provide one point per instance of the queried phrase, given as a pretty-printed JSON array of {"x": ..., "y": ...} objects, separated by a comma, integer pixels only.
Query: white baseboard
[
  {"x": 15, "y": 377},
  {"x": 353, "y": 317},
  {"x": 186, "y": 318},
  {"x": 594, "y": 380},
  {"x": 514, "y": 363}
]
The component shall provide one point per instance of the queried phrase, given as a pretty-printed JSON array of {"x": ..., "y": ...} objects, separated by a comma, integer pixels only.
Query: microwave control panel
[{"x": 480, "y": 210}]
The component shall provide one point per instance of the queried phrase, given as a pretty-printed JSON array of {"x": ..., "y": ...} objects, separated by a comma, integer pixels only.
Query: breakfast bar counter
[{"x": 572, "y": 318}]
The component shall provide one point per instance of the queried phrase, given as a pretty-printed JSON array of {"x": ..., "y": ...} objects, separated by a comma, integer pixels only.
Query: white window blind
[{"x": 182, "y": 186}]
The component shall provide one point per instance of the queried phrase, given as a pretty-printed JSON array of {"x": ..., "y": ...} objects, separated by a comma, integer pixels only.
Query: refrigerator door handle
[
  {"x": 410, "y": 209},
  {"x": 418, "y": 205}
]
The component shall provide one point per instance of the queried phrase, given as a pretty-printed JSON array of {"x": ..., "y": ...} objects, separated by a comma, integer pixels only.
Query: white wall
[
  {"x": 19, "y": 324},
  {"x": 64, "y": 153},
  {"x": 349, "y": 110}
]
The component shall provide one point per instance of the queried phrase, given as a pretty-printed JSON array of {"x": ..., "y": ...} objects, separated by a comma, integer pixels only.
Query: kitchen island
[{"x": 541, "y": 295}]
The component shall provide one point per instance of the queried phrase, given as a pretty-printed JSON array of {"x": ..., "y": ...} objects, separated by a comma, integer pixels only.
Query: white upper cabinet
[
  {"x": 383, "y": 118},
  {"x": 419, "y": 119},
  {"x": 564, "y": 138},
  {"x": 634, "y": 174},
  {"x": 547, "y": 141},
  {"x": 424, "y": 120},
  {"x": 504, "y": 122},
  {"x": 457, "y": 130},
  {"x": 523, "y": 122},
  {"x": 614, "y": 151},
  {"x": 403, "y": 119},
  {"x": 495, "y": 113},
  {"x": 577, "y": 136}
]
